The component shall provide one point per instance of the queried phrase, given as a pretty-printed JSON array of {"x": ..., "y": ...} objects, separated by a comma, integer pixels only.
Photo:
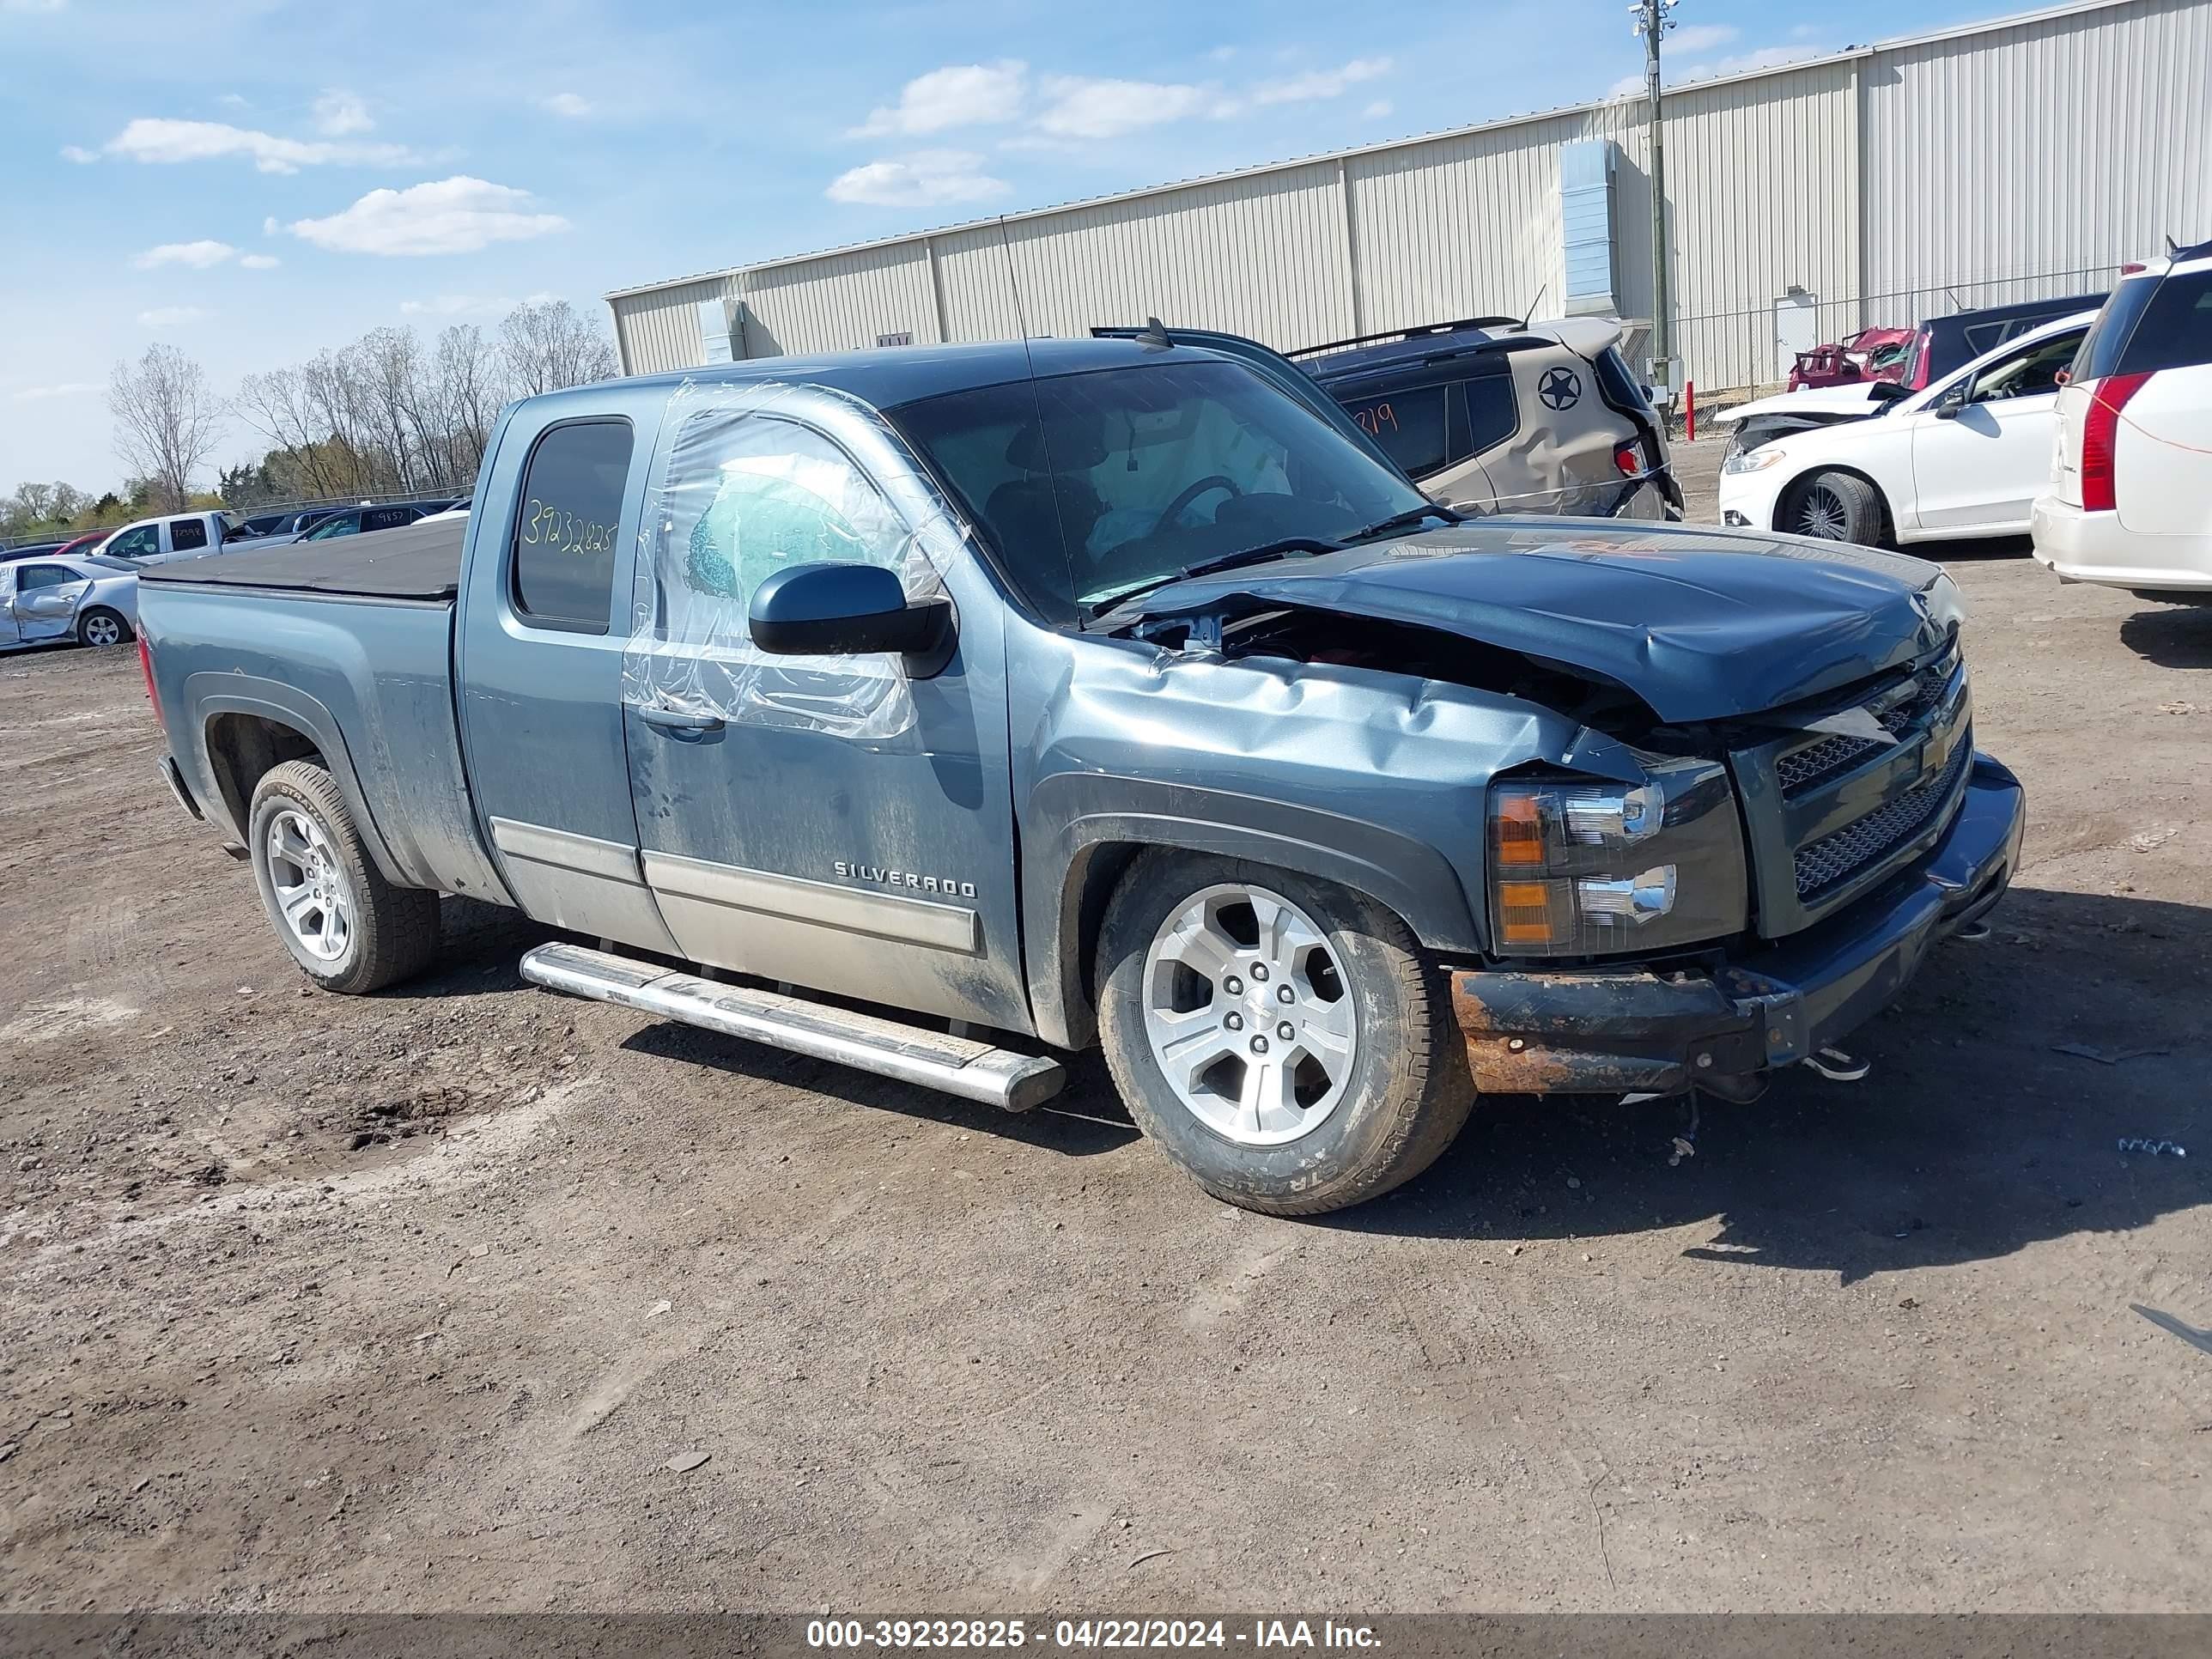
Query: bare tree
[
  {"x": 283, "y": 407},
  {"x": 471, "y": 387},
  {"x": 552, "y": 345},
  {"x": 166, "y": 420}
]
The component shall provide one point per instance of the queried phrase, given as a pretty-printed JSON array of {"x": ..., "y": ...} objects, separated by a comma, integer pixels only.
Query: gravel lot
[{"x": 407, "y": 1302}]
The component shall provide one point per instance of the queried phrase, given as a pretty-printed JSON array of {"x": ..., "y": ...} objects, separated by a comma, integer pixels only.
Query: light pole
[{"x": 1653, "y": 19}]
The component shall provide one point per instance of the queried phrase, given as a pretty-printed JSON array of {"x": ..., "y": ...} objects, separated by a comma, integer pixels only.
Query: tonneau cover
[{"x": 416, "y": 562}]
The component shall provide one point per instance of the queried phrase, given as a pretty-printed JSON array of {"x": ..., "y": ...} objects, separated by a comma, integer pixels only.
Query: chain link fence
[{"x": 1734, "y": 355}]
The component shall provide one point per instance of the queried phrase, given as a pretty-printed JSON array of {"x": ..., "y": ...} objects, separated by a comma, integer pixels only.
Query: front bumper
[
  {"x": 1633, "y": 1031},
  {"x": 1746, "y": 500}
]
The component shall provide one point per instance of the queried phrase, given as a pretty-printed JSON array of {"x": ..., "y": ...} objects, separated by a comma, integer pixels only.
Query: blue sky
[{"x": 252, "y": 180}]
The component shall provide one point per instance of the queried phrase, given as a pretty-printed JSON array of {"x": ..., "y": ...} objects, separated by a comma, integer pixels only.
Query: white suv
[{"x": 2129, "y": 503}]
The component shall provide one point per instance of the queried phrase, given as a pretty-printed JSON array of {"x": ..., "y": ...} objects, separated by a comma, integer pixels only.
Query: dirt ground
[{"x": 409, "y": 1302}]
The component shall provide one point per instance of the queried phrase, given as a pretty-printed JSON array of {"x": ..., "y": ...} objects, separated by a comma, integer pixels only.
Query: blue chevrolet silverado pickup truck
[{"x": 940, "y": 711}]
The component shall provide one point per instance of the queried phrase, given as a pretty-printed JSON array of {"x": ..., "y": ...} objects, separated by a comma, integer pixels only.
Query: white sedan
[{"x": 1966, "y": 456}]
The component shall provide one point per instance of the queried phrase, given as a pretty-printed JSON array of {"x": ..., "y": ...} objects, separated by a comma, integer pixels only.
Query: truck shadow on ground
[
  {"x": 2172, "y": 636},
  {"x": 1972, "y": 1137}
]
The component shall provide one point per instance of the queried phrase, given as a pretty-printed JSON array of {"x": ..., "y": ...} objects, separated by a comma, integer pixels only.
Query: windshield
[{"x": 1092, "y": 484}]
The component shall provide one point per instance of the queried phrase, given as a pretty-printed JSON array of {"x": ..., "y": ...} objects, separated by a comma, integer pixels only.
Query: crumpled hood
[
  {"x": 1852, "y": 400},
  {"x": 1701, "y": 624}
]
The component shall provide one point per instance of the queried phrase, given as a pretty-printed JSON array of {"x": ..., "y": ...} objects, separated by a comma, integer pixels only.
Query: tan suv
[{"x": 1490, "y": 414}]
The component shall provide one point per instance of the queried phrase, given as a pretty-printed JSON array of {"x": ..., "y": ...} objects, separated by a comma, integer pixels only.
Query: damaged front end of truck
[{"x": 1670, "y": 808}]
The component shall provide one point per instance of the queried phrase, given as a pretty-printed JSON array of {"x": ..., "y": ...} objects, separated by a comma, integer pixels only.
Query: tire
[
  {"x": 101, "y": 626},
  {"x": 1835, "y": 507},
  {"x": 1399, "y": 1095},
  {"x": 355, "y": 932}
]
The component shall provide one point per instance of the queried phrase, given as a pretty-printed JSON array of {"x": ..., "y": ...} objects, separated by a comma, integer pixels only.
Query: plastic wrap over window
[{"x": 751, "y": 479}]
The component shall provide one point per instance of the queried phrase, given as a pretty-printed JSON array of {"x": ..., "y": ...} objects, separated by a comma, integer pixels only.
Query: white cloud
[
  {"x": 79, "y": 154},
  {"x": 231, "y": 100},
  {"x": 1744, "y": 64},
  {"x": 927, "y": 177},
  {"x": 338, "y": 112},
  {"x": 65, "y": 389},
  {"x": 1320, "y": 83},
  {"x": 574, "y": 106},
  {"x": 32, "y": 5},
  {"x": 1081, "y": 107},
  {"x": 1380, "y": 108},
  {"x": 261, "y": 262},
  {"x": 1701, "y": 37},
  {"x": 170, "y": 316},
  {"x": 153, "y": 139},
  {"x": 269, "y": 225},
  {"x": 198, "y": 255},
  {"x": 1627, "y": 86},
  {"x": 452, "y": 216},
  {"x": 958, "y": 95},
  {"x": 461, "y": 304}
]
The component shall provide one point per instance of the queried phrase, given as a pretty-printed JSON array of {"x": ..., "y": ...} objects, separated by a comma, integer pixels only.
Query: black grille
[
  {"x": 1807, "y": 769},
  {"x": 1801, "y": 768},
  {"x": 1836, "y": 858}
]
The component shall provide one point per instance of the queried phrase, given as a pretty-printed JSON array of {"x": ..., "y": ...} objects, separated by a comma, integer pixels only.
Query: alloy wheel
[
  {"x": 312, "y": 895},
  {"x": 1250, "y": 1015}
]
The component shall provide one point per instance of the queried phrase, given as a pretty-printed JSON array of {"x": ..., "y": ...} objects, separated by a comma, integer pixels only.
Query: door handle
[{"x": 679, "y": 724}]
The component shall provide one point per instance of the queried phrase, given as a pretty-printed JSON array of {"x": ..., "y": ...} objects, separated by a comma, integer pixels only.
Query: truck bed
[{"x": 416, "y": 562}]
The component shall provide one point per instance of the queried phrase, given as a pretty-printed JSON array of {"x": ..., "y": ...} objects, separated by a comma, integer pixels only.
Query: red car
[{"x": 1872, "y": 354}]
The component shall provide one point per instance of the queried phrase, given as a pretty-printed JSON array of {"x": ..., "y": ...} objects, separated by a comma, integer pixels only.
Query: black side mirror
[
  {"x": 847, "y": 610},
  {"x": 1952, "y": 403}
]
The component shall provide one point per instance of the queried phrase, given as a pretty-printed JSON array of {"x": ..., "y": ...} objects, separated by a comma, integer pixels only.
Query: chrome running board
[{"x": 954, "y": 1065}]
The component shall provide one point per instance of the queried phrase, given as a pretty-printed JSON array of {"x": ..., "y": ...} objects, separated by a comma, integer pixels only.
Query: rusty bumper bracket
[{"x": 1609, "y": 1033}]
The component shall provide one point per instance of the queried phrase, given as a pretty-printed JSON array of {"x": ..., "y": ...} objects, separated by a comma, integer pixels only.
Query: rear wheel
[
  {"x": 1835, "y": 507},
  {"x": 100, "y": 626},
  {"x": 1281, "y": 1038},
  {"x": 349, "y": 929}
]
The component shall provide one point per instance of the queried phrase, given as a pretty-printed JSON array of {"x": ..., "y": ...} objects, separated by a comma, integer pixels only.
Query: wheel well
[
  {"x": 242, "y": 747},
  {"x": 1797, "y": 486},
  {"x": 1097, "y": 870}
]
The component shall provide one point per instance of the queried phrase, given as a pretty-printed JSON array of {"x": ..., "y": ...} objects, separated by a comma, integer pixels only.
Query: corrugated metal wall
[
  {"x": 2031, "y": 161},
  {"x": 1982, "y": 167}
]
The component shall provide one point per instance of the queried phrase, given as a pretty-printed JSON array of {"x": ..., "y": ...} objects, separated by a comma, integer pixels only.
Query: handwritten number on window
[{"x": 562, "y": 530}]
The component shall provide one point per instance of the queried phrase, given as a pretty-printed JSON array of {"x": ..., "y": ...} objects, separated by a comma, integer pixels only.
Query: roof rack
[{"x": 1407, "y": 334}]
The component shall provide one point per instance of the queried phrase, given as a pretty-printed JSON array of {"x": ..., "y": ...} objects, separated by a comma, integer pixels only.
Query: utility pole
[{"x": 1653, "y": 19}]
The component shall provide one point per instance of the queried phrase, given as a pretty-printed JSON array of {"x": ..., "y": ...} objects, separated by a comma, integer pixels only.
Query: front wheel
[
  {"x": 100, "y": 626},
  {"x": 1281, "y": 1038},
  {"x": 349, "y": 929},
  {"x": 1835, "y": 507}
]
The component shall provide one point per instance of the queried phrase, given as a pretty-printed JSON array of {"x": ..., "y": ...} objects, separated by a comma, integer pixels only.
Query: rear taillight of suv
[
  {"x": 146, "y": 667},
  {"x": 2100, "y": 429},
  {"x": 1628, "y": 459}
]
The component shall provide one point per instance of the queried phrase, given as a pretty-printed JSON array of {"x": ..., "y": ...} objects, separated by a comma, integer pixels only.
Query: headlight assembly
[
  {"x": 1579, "y": 867},
  {"x": 1750, "y": 460}
]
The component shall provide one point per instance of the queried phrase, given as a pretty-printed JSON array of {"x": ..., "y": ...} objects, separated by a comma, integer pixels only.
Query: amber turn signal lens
[
  {"x": 1524, "y": 908},
  {"x": 1520, "y": 830}
]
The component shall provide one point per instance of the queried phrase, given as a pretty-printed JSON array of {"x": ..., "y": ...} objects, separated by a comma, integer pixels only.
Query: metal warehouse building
[{"x": 2002, "y": 160}]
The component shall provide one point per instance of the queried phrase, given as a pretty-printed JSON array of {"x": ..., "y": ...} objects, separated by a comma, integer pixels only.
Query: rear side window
[
  {"x": 1408, "y": 425},
  {"x": 186, "y": 534},
  {"x": 564, "y": 536},
  {"x": 2175, "y": 328},
  {"x": 1493, "y": 412},
  {"x": 388, "y": 518},
  {"x": 36, "y": 576},
  {"x": 2108, "y": 336}
]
